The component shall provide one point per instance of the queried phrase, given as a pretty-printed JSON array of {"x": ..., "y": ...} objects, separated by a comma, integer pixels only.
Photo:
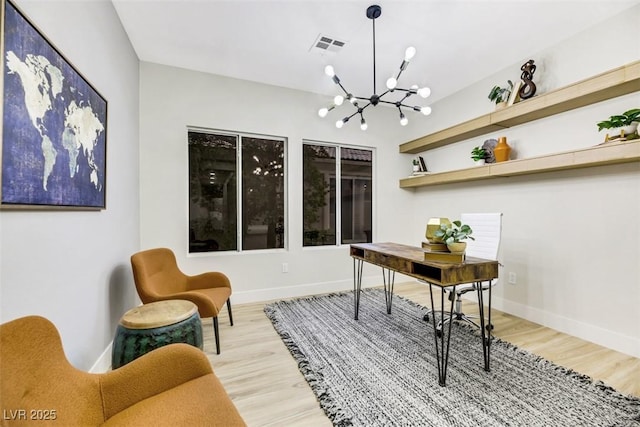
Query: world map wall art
[{"x": 54, "y": 125}]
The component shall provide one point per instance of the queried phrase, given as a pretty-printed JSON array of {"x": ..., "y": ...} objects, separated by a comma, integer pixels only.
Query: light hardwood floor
[{"x": 267, "y": 388}]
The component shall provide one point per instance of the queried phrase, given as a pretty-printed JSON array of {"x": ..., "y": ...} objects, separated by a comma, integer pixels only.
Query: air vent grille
[{"x": 324, "y": 44}]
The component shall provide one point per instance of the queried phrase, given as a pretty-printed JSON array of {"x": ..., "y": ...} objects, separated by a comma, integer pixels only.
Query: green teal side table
[{"x": 150, "y": 326}]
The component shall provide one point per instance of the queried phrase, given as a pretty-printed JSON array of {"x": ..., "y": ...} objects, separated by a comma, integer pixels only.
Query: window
[
  {"x": 236, "y": 192},
  {"x": 329, "y": 171}
]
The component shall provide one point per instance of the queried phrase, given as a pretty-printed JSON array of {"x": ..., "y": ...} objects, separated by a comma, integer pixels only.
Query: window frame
[
  {"x": 338, "y": 191},
  {"x": 239, "y": 135}
]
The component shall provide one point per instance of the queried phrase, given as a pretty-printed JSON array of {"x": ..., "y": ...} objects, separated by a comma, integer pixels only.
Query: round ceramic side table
[{"x": 154, "y": 325}]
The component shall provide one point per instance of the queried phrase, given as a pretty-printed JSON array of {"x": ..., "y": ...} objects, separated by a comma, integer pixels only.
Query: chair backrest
[
  {"x": 487, "y": 230},
  {"x": 156, "y": 273},
  {"x": 36, "y": 376}
]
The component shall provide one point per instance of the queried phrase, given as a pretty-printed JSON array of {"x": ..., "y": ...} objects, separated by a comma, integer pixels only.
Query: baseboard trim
[
  {"x": 103, "y": 364},
  {"x": 606, "y": 338},
  {"x": 268, "y": 294},
  {"x": 588, "y": 332}
]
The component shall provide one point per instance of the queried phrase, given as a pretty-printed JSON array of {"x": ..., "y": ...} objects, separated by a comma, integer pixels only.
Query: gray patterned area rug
[{"x": 381, "y": 371}]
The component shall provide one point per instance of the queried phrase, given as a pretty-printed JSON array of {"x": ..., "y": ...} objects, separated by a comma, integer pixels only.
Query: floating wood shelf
[
  {"x": 606, "y": 154},
  {"x": 617, "y": 82}
]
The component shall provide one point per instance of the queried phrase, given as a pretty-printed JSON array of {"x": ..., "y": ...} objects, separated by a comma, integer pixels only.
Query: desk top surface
[
  {"x": 415, "y": 254},
  {"x": 410, "y": 260}
]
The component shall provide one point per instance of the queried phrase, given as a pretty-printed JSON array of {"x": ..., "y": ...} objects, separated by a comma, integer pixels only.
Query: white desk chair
[{"x": 487, "y": 229}]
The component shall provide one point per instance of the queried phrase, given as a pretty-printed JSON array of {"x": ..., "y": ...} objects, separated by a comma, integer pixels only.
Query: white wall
[
  {"x": 73, "y": 267},
  {"x": 571, "y": 237},
  {"x": 554, "y": 223},
  {"x": 172, "y": 99}
]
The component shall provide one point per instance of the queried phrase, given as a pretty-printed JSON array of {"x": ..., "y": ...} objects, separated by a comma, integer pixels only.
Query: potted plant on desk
[{"x": 454, "y": 235}]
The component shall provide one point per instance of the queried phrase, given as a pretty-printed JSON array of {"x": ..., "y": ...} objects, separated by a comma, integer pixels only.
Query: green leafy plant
[
  {"x": 620, "y": 120},
  {"x": 454, "y": 233},
  {"x": 478, "y": 153},
  {"x": 501, "y": 94}
]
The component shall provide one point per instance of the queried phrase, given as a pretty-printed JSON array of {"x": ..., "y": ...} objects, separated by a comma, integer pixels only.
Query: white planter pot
[{"x": 480, "y": 162}]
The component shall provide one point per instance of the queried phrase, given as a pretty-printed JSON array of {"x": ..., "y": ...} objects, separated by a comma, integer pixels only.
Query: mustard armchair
[
  {"x": 173, "y": 385},
  {"x": 157, "y": 277}
]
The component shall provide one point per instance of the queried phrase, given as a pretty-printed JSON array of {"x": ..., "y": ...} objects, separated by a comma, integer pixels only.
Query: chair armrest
[
  {"x": 151, "y": 374},
  {"x": 212, "y": 279}
]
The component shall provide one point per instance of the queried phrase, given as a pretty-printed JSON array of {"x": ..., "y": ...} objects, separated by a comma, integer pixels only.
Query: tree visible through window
[
  {"x": 236, "y": 192},
  {"x": 327, "y": 171}
]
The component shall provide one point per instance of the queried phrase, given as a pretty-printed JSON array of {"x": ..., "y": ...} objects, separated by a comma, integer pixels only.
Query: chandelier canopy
[{"x": 374, "y": 12}]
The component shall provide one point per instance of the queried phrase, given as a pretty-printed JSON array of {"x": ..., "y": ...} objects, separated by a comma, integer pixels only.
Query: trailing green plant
[
  {"x": 620, "y": 120},
  {"x": 454, "y": 232},
  {"x": 501, "y": 94},
  {"x": 478, "y": 153}
]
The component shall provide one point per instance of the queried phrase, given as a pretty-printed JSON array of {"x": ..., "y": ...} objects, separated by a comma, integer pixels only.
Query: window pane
[
  {"x": 212, "y": 192},
  {"x": 355, "y": 194},
  {"x": 262, "y": 193},
  {"x": 318, "y": 201}
]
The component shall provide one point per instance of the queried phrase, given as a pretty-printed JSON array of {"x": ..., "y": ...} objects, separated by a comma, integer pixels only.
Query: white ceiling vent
[{"x": 324, "y": 44}]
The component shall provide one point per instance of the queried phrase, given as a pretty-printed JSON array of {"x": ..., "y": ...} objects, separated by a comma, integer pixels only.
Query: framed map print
[{"x": 54, "y": 124}]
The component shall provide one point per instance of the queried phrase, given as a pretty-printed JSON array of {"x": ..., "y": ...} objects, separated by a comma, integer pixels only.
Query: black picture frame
[
  {"x": 53, "y": 127},
  {"x": 423, "y": 165}
]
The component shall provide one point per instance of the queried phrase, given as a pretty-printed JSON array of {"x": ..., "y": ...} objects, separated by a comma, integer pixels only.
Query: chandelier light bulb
[
  {"x": 424, "y": 92},
  {"x": 403, "y": 119},
  {"x": 425, "y": 110},
  {"x": 323, "y": 112},
  {"x": 363, "y": 124},
  {"x": 338, "y": 100},
  {"x": 339, "y": 124},
  {"x": 328, "y": 70},
  {"x": 392, "y": 83},
  {"x": 409, "y": 53}
]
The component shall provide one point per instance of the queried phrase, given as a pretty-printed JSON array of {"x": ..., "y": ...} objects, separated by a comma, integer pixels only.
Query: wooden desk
[{"x": 410, "y": 261}]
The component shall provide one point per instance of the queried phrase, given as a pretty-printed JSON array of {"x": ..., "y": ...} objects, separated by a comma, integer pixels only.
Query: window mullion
[
  {"x": 338, "y": 212},
  {"x": 239, "y": 188}
]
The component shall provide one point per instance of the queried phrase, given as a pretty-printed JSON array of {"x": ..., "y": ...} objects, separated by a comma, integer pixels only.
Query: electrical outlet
[
  {"x": 285, "y": 267},
  {"x": 512, "y": 278}
]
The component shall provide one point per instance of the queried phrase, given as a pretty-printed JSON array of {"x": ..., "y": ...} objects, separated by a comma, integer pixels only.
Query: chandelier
[{"x": 374, "y": 12}]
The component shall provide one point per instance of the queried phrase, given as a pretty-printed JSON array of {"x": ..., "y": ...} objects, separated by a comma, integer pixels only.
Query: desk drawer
[{"x": 389, "y": 261}]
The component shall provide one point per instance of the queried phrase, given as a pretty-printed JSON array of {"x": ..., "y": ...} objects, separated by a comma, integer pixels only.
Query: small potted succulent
[
  {"x": 500, "y": 95},
  {"x": 454, "y": 235},
  {"x": 416, "y": 165},
  {"x": 622, "y": 124},
  {"x": 478, "y": 155}
]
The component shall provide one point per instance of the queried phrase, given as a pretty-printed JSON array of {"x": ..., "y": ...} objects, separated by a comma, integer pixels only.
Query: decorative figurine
[{"x": 528, "y": 88}]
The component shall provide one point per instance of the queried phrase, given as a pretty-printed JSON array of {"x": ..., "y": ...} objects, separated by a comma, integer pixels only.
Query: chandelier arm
[
  {"x": 410, "y": 91},
  {"x": 343, "y": 89},
  {"x": 387, "y": 102}
]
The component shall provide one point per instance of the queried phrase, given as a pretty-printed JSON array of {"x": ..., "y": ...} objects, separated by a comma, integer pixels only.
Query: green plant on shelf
[
  {"x": 478, "y": 153},
  {"x": 620, "y": 120},
  {"x": 501, "y": 94}
]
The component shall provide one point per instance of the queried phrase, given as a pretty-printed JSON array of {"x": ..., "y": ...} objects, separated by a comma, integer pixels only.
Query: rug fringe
[{"x": 333, "y": 411}]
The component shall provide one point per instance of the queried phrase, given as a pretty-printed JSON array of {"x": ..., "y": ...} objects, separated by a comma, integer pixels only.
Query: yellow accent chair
[
  {"x": 172, "y": 385},
  {"x": 157, "y": 278}
]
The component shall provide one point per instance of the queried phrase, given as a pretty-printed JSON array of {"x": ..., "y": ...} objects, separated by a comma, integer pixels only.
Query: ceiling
[{"x": 268, "y": 41}]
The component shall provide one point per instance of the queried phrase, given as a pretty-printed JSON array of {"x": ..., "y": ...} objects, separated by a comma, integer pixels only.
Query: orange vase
[{"x": 502, "y": 150}]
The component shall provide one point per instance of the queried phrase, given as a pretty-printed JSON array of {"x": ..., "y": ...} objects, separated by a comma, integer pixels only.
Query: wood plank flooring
[{"x": 266, "y": 386}]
